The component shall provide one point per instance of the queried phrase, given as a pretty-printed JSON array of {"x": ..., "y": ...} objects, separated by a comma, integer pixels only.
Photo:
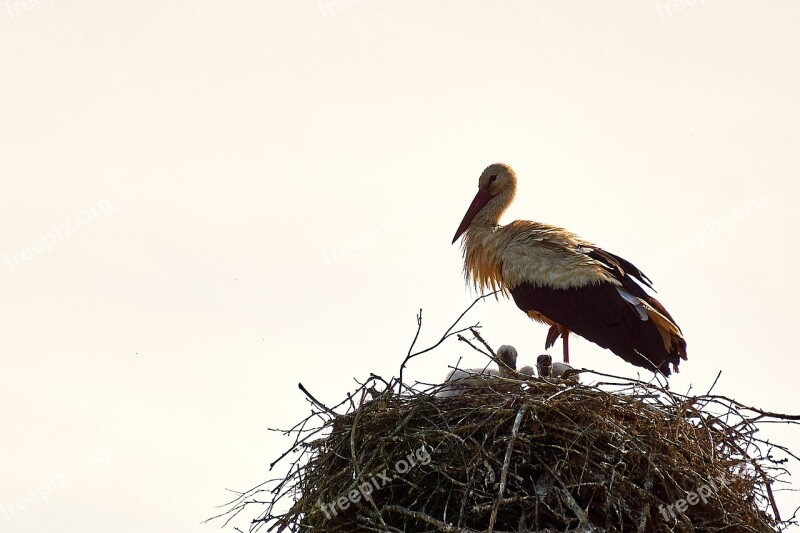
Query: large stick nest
[{"x": 526, "y": 455}]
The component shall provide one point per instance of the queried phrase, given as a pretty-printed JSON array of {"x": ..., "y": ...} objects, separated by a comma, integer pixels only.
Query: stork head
[
  {"x": 496, "y": 188},
  {"x": 544, "y": 364},
  {"x": 507, "y": 355}
]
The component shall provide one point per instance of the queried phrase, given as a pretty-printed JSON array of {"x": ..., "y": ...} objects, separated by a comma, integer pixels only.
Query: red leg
[{"x": 565, "y": 338}]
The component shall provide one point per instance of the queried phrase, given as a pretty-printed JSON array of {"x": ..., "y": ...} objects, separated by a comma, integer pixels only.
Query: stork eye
[{"x": 492, "y": 178}]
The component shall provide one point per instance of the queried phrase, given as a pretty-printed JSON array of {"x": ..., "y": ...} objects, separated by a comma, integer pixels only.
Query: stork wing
[
  {"x": 551, "y": 257},
  {"x": 592, "y": 292}
]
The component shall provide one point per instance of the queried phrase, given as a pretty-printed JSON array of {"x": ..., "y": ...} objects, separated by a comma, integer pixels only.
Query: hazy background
[{"x": 205, "y": 203}]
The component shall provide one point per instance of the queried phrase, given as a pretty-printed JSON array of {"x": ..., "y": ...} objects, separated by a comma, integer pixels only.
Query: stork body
[
  {"x": 563, "y": 281},
  {"x": 527, "y": 370}
]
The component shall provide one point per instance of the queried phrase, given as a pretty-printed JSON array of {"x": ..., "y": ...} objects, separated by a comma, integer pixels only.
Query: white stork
[{"x": 568, "y": 283}]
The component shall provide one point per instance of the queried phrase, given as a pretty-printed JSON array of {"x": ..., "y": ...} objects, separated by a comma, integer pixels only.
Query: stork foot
[{"x": 552, "y": 336}]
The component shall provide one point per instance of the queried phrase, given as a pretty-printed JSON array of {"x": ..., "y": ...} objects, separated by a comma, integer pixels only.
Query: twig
[
  {"x": 427, "y": 518},
  {"x": 315, "y": 401},
  {"x": 478, "y": 336},
  {"x": 768, "y": 484},
  {"x": 506, "y": 463},
  {"x": 714, "y": 384},
  {"x": 462, "y": 338},
  {"x": 357, "y": 467},
  {"x": 447, "y": 334}
]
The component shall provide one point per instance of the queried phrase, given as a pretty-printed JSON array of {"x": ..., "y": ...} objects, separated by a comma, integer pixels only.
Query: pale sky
[{"x": 205, "y": 203}]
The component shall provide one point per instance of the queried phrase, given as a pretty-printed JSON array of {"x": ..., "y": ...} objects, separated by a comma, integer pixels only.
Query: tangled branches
[{"x": 526, "y": 455}]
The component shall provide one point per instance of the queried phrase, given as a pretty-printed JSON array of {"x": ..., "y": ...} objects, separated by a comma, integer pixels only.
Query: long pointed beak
[{"x": 478, "y": 203}]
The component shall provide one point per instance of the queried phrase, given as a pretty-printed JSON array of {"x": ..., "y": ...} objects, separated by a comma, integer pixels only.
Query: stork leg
[
  {"x": 553, "y": 333},
  {"x": 552, "y": 336}
]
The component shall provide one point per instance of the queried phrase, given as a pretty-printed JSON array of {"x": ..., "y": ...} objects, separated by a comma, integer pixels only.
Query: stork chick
[
  {"x": 475, "y": 378},
  {"x": 548, "y": 369},
  {"x": 527, "y": 370}
]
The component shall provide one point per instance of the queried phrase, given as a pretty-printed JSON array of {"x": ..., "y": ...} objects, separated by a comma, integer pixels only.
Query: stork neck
[
  {"x": 483, "y": 245},
  {"x": 489, "y": 216}
]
